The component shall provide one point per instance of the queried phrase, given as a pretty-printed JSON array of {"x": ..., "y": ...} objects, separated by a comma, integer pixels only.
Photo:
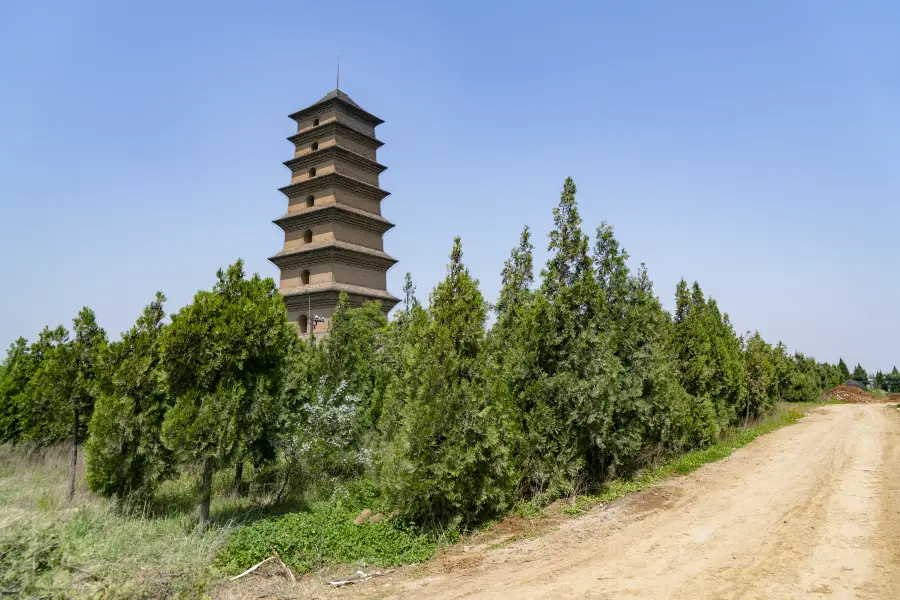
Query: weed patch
[{"x": 326, "y": 534}]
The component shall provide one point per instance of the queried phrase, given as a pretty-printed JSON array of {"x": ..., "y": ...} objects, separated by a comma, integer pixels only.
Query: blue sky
[{"x": 754, "y": 148}]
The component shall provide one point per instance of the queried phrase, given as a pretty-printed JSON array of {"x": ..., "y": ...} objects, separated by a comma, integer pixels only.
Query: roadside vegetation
[{"x": 200, "y": 444}]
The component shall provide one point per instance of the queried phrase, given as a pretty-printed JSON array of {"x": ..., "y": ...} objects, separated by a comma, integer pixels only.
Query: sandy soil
[{"x": 809, "y": 511}]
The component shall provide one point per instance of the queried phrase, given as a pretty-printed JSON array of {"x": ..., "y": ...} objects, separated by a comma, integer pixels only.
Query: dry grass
[{"x": 88, "y": 548}]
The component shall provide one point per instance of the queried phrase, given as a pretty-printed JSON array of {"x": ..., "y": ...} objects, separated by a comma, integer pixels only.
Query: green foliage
[
  {"x": 892, "y": 381},
  {"x": 327, "y": 534},
  {"x": 223, "y": 358},
  {"x": 447, "y": 462},
  {"x": 762, "y": 382},
  {"x": 710, "y": 360},
  {"x": 844, "y": 371},
  {"x": 859, "y": 374},
  {"x": 19, "y": 367},
  {"x": 125, "y": 456}
]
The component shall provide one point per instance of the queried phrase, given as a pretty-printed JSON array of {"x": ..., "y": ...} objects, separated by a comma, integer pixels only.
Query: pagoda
[{"x": 333, "y": 226}]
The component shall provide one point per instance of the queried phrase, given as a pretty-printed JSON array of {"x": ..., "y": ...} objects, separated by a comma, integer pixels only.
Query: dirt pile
[{"x": 852, "y": 395}]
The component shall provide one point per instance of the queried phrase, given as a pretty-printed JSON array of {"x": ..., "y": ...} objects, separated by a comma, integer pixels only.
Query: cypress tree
[
  {"x": 447, "y": 463},
  {"x": 124, "y": 456},
  {"x": 18, "y": 368},
  {"x": 859, "y": 374},
  {"x": 649, "y": 404},
  {"x": 761, "y": 377},
  {"x": 573, "y": 415},
  {"x": 845, "y": 371},
  {"x": 224, "y": 358}
]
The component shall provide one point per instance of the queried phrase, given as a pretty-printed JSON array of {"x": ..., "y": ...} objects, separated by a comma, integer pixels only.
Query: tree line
[{"x": 582, "y": 376}]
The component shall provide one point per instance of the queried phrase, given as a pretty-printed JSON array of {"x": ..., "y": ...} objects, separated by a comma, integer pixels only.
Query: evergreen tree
[
  {"x": 447, "y": 463},
  {"x": 573, "y": 414},
  {"x": 880, "y": 380},
  {"x": 511, "y": 348},
  {"x": 223, "y": 357},
  {"x": 40, "y": 406},
  {"x": 845, "y": 371},
  {"x": 125, "y": 456},
  {"x": 892, "y": 381},
  {"x": 761, "y": 377},
  {"x": 82, "y": 362},
  {"x": 18, "y": 368},
  {"x": 645, "y": 410},
  {"x": 860, "y": 375}
]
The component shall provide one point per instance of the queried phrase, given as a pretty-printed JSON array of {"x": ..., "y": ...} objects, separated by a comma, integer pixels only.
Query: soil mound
[{"x": 852, "y": 395}]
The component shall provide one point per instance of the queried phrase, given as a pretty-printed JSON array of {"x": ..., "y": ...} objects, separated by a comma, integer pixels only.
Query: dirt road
[{"x": 809, "y": 511}]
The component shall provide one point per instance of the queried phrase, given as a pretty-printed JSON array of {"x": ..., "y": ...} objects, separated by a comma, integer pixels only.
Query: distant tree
[
  {"x": 17, "y": 370},
  {"x": 124, "y": 456},
  {"x": 859, "y": 374},
  {"x": 223, "y": 357},
  {"x": 761, "y": 377},
  {"x": 845, "y": 371},
  {"x": 892, "y": 381},
  {"x": 783, "y": 366}
]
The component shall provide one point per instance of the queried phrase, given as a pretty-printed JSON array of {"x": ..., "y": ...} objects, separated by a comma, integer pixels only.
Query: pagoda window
[
  {"x": 304, "y": 276},
  {"x": 315, "y": 123},
  {"x": 314, "y": 147},
  {"x": 310, "y": 201},
  {"x": 312, "y": 172},
  {"x": 307, "y": 237},
  {"x": 303, "y": 321}
]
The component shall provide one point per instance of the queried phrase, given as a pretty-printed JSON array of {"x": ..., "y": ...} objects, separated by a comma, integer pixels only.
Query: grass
[{"x": 327, "y": 535}]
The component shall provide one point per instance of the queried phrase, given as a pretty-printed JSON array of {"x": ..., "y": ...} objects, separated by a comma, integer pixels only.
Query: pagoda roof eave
[
  {"x": 316, "y": 156},
  {"x": 337, "y": 97},
  {"x": 376, "y": 222},
  {"x": 333, "y": 180},
  {"x": 336, "y": 287},
  {"x": 334, "y": 249},
  {"x": 314, "y": 132}
]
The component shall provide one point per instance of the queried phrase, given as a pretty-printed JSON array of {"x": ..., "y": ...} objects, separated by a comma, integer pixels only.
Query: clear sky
[{"x": 754, "y": 148}]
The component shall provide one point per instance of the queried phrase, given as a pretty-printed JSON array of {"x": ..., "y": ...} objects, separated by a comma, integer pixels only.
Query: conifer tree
[
  {"x": 67, "y": 382},
  {"x": 645, "y": 409},
  {"x": 40, "y": 406},
  {"x": 124, "y": 456},
  {"x": 880, "y": 380},
  {"x": 18, "y": 369},
  {"x": 399, "y": 363},
  {"x": 859, "y": 374},
  {"x": 223, "y": 357},
  {"x": 845, "y": 371},
  {"x": 573, "y": 414},
  {"x": 447, "y": 463},
  {"x": 512, "y": 349},
  {"x": 761, "y": 377},
  {"x": 892, "y": 381}
]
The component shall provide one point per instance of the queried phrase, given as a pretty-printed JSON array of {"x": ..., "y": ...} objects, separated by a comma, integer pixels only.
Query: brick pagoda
[{"x": 333, "y": 227}]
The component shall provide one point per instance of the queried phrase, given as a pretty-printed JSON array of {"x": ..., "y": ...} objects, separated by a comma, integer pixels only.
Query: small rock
[
  {"x": 376, "y": 518},
  {"x": 363, "y": 516}
]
